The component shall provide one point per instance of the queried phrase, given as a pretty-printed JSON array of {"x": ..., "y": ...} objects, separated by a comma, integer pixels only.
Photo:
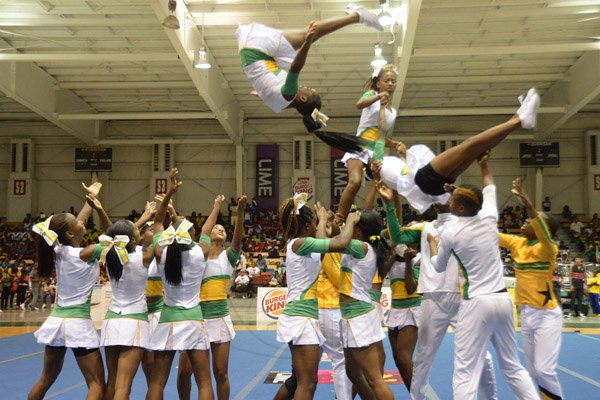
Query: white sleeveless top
[
  {"x": 369, "y": 117},
  {"x": 75, "y": 278},
  {"x": 302, "y": 272},
  {"x": 186, "y": 293},
  {"x": 129, "y": 293},
  {"x": 361, "y": 273}
]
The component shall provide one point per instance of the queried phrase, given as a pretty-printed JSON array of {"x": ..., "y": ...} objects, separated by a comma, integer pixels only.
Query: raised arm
[
  {"x": 238, "y": 231},
  {"x": 86, "y": 210},
  {"x": 149, "y": 210},
  {"x": 300, "y": 58},
  {"x": 489, "y": 207},
  {"x": 486, "y": 175},
  {"x": 340, "y": 242},
  {"x": 159, "y": 217},
  {"x": 519, "y": 192},
  {"x": 94, "y": 203},
  {"x": 368, "y": 98},
  {"x": 209, "y": 224},
  {"x": 409, "y": 278}
]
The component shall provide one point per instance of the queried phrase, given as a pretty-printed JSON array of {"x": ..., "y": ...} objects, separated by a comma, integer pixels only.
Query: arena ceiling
[{"x": 80, "y": 64}]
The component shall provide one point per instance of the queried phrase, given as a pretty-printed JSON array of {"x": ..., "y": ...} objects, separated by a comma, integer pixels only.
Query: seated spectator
[
  {"x": 272, "y": 251},
  {"x": 547, "y": 205},
  {"x": 566, "y": 212},
  {"x": 274, "y": 282},
  {"x": 242, "y": 284},
  {"x": 241, "y": 263},
  {"x": 576, "y": 227},
  {"x": 253, "y": 271},
  {"x": 261, "y": 263}
]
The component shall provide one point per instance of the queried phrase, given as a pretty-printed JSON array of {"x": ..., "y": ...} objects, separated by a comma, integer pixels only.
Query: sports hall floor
[{"x": 255, "y": 353}]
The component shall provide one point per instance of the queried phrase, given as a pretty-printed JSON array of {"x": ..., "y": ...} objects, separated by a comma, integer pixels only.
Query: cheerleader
[
  {"x": 181, "y": 327},
  {"x": 534, "y": 254},
  {"x": 420, "y": 176},
  {"x": 378, "y": 97},
  {"x": 213, "y": 301},
  {"x": 272, "y": 59},
  {"x": 70, "y": 325},
  {"x": 366, "y": 255},
  {"x": 154, "y": 297},
  {"x": 298, "y": 326}
]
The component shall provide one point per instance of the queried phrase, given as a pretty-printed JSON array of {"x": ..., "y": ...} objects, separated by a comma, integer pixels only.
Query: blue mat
[{"x": 255, "y": 353}]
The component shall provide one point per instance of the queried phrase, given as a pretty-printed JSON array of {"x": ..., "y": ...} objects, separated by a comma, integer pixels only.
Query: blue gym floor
[{"x": 255, "y": 353}]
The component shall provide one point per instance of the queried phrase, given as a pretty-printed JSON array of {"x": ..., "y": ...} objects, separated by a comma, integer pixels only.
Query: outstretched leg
[
  {"x": 54, "y": 358},
  {"x": 354, "y": 16}
]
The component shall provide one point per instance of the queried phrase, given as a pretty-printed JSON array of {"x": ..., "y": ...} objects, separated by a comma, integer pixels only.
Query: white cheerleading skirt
[
  {"x": 361, "y": 331},
  {"x": 68, "y": 332},
  {"x": 220, "y": 330},
  {"x": 299, "y": 330},
  {"x": 398, "y": 318},
  {"x": 363, "y": 156},
  {"x": 180, "y": 335},
  {"x": 153, "y": 319},
  {"x": 125, "y": 332}
]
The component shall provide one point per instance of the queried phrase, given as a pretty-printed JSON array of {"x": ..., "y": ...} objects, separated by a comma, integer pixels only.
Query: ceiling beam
[
  {"x": 128, "y": 85},
  {"x": 136, "y": 141},
  {"x": 34, "y": 88},
  {"x": 434, "y": 52},
  {"x": 135, "y": 116},
  {"x": 89, "y": 57},
  {"x": 434, "y": 80},
  {"x": 405, "y": 49},
  {"x": 211, "y": 84},
  {"x": 582, "y": 87},
  {"x": 57, "y": 21}
]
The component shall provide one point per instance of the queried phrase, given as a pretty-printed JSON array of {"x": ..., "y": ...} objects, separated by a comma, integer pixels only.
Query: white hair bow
[
  {"x": 301, "y": 199},
  {"x": 181, "y": 235},
  {"x": 43, "y": 229},
  {"x": 120, "y": 245},
  {"x": 319, "y": 116}
]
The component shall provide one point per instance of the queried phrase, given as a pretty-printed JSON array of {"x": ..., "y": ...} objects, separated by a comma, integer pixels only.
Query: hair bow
[
  {"x": 319, "y": 116},
  {"x": 119, "y": 243},
  {"x": 43, "y": 229},
  {"x": 376, "y": 72},
  {"x": 150, "y": 223},
  {"x": 374, "y": 238},
  {"x": 300, "y": 199},
  {"x": 181, "y": 235}
]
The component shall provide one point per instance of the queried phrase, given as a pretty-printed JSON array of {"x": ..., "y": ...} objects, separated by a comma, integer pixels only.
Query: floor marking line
[
  {"x": 65, "y": 390},
  {"x": 261, "y": 375},
  {"x": 588, "y": 337},
  {"x": 431, "y": 394},
  {"x": 573, "y": 373},
  {"x": 21, "y": 357}
]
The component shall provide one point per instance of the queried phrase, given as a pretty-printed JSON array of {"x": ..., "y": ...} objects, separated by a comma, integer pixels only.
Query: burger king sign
[{"x": 270, "y": 304}]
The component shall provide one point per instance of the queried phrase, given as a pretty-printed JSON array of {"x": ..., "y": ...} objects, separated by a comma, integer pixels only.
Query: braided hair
[{"x": 292, "y": 223}]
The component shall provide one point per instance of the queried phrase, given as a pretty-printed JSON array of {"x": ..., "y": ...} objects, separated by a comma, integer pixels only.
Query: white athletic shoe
[
  {"x": 22, "y": 306},
  {"x": 43, "y": 306},
  {"x": 364, "y": 16},
  {"x": 529, "y": 107}
]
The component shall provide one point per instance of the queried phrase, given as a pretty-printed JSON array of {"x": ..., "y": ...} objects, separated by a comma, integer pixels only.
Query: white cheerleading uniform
[
  {"x": 361, "y": 323},
  {"x": 154, "y": 291},
  {"x": 400, "y": 176},
  {"x": 213, "y": 297},
  {"x": 268, "y": 74},
  {"x": 439, "y": 307},
  {"x": 181, "y": 326},
  {"x": 70, "y": 324},
  {"x": 406, "y": 308},
  {"x": 299, "y": 323},
  {"x": 368, "y": 129},
  {"x": 126, "y": 322},
  {"x": 485, "y": 313}
]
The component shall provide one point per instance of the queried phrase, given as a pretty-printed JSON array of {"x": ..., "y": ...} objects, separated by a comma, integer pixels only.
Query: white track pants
[
  {"x": 329, "y": 319},
  {"x": 439, "y": 311},
  {"x": 483, "y": 319},
  {"x": 541, "y": 330}
]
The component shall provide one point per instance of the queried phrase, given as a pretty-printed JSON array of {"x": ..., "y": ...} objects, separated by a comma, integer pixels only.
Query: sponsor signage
[
  {"x": 304, "y": 184},
  {"x": 267, "y": 175},
  {"x": 19, "y": 187},
  {"x": 339, "y": 174}
]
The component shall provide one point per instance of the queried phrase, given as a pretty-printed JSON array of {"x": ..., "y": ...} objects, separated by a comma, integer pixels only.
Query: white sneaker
[
  {"x": 529, "y": 107},
  {"x": 43, "y": 306},
  {"x": 22, "y": 306},
  {"x": 364, "y": 16}
]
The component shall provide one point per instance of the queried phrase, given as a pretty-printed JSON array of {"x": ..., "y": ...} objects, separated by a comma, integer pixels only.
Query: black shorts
[
  {"x": 430, "y": 182},
  {"x": 77, "y": 351}
]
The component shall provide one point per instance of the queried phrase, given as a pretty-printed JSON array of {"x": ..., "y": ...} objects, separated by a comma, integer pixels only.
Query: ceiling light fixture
[
  {"x": 171, "y": 21},
  {"x": 385, "y": 17},
  {"x": 378, "y": 60}
]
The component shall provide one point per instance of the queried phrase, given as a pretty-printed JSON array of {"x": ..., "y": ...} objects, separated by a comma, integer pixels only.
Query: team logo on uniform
[{"x": 273, "y": 303}]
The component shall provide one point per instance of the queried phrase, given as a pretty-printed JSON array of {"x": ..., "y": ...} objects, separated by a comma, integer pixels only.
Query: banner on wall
[
  {"x": 267, "y": 175},
  {"x": 339, "y": 174},
  {"x": 270, "y": 303}
]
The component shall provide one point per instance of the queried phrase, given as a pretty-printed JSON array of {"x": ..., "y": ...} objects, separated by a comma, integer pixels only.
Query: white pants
[
  {"x": 541, "y": 330},
  {"x": 483, "y": 319},
  {"x": 329, "y": 319},
  {"x": 439, "y": 310}
]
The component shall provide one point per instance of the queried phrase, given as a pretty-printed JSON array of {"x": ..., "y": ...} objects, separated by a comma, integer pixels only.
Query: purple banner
[
  {"x": 339, "y": 175},
  {"x": 267, "y": 175}
]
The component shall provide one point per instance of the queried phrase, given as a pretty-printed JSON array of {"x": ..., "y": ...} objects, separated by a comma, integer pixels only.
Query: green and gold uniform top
[
  {"x": 329, "y": 281},
  {"x": 358, "y": 270},
  {"x": 213, "y": 290},
  {"x": 535, "y": 261},
  {"x": 368, "y": 126},
  {"x": 400, "y": 296}
]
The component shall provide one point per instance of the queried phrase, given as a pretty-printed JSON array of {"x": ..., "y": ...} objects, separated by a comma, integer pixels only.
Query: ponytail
[
  {"x": 113, "y": 265},
  {"x": 291, "y": 218},
  {"x": 173, "y": 264},
  {"x": 51, "y": 232},
  {"x": 341, "y": 141},
  {"x": 370, "y": 225},
  {"x": 46, "y": 258},
  {"x": 119, "y": 231},
  {"x": 382, "y": 252}
]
